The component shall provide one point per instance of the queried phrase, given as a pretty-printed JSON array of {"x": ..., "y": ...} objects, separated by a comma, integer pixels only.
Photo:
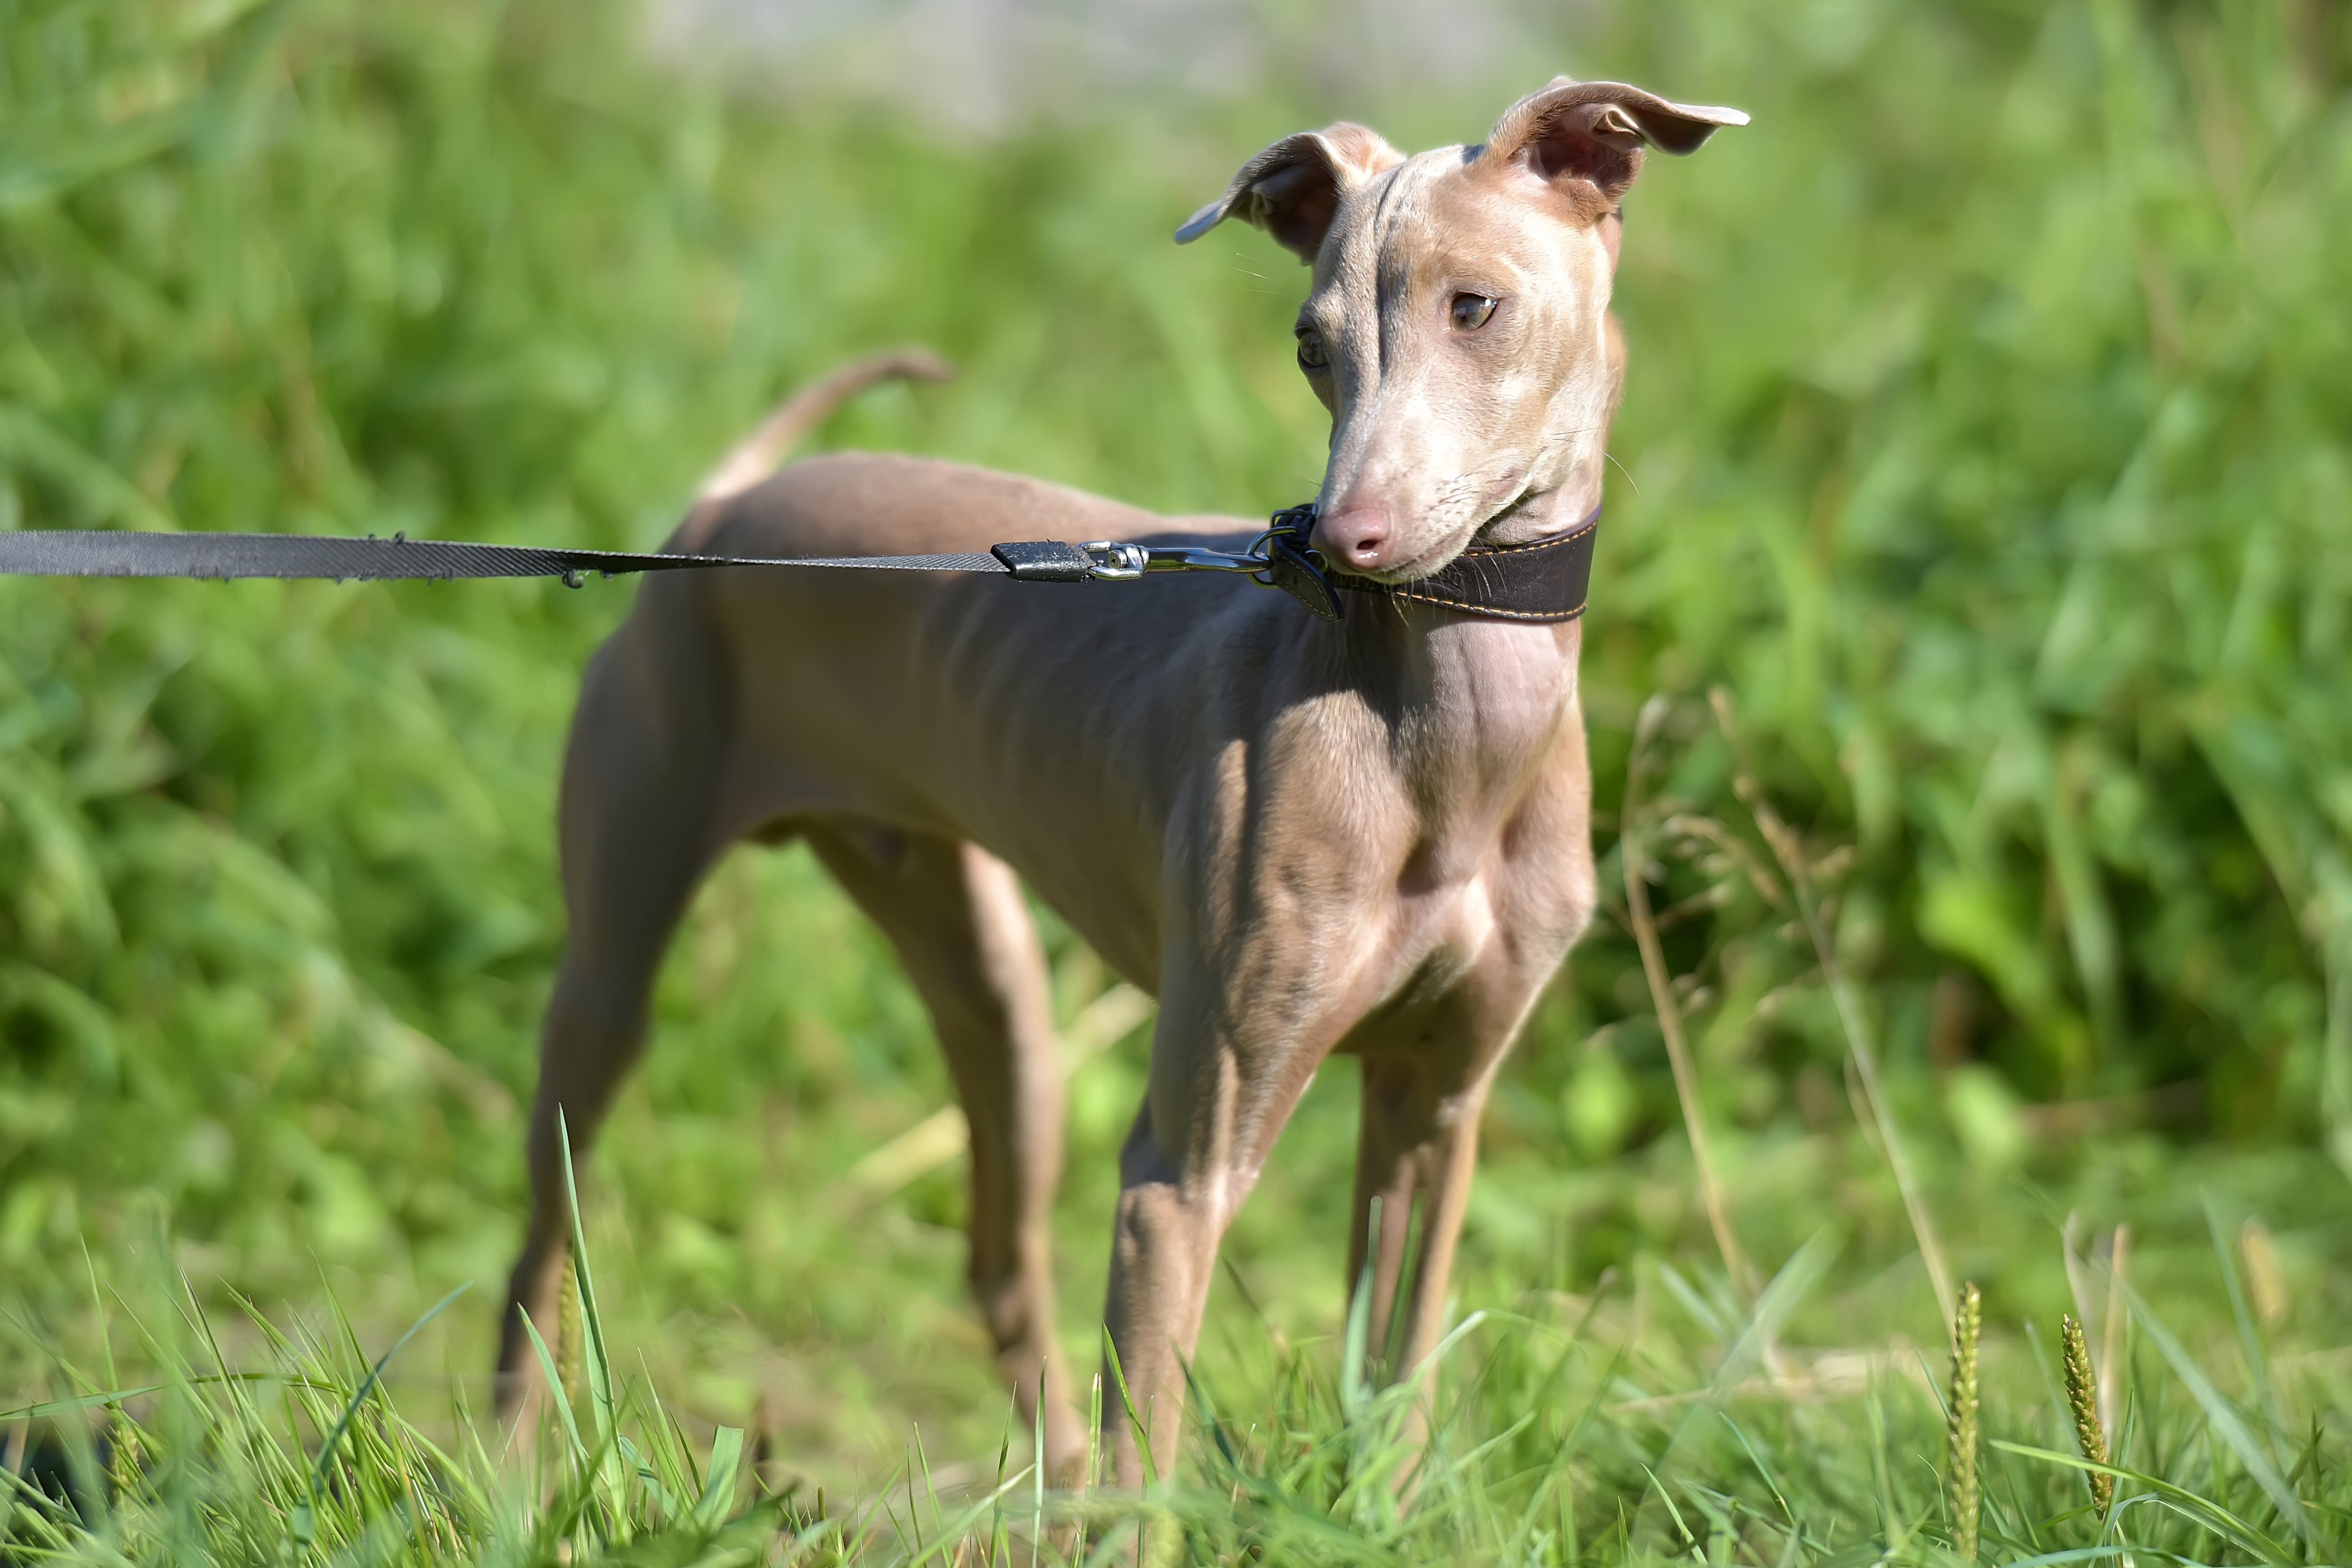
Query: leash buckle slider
[{"x": 1046, "y": 560}]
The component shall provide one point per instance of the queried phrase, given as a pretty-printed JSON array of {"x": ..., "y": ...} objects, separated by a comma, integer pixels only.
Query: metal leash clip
[
  {"x": 1292, "y": 564},
  {"x": 1278, "y": 558}
]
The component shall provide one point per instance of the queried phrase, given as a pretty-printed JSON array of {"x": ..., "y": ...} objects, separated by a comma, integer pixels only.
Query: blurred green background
[{"x": 1985, "y": 439}]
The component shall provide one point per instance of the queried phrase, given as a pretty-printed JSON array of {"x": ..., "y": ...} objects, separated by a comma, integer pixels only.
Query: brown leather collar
[{"x": 1544, "y": 581}]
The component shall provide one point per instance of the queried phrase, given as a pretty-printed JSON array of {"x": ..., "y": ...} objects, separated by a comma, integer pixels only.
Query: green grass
[
  {"x": 1984, "y": 443},
  {"x": 1552, "y": 1430}
]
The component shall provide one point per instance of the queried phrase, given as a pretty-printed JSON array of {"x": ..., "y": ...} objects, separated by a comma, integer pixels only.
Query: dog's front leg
[
  {"x": 1415, "y": 1156},
  {"x": 1224, "y": 1083}
]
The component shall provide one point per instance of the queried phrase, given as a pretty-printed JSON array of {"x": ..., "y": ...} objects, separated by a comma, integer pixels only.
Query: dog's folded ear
[
  {"x": 1585, "y": 138},
  {"x": 1292, "y": 189}
]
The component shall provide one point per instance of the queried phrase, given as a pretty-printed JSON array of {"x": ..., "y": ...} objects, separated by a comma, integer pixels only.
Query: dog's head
[{"x": 1457, "y": 327}]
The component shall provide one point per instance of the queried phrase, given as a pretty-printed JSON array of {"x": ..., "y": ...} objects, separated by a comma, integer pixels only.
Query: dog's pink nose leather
[{"x": 1353, "y": 538}]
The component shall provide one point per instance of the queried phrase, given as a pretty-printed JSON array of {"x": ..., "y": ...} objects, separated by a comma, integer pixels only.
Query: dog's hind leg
[
  {"x": 638, "y": 834},
  {"x": 958, "y": 919}
]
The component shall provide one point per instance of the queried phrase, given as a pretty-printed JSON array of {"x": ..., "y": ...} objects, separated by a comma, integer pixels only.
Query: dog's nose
[{"x": 1354, "y": 537}]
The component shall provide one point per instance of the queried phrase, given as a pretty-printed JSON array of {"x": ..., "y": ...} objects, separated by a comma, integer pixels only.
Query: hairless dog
[{"x": 1367, "y": 837}]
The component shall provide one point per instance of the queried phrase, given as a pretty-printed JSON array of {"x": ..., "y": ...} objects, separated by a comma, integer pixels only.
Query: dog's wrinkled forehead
[
  {"x": 1399, "y": 196},
  {"x": 1424, "y": 219}
]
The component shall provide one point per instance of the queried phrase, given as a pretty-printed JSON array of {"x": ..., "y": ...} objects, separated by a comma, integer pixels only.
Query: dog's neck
[
  {"x": 1477, "y": 708},
  {"x": 1476, "y": 713}
]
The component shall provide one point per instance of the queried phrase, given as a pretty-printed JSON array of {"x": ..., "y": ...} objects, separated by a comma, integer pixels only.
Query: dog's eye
[
  {"x": 1310, "y": 352},
  {"x": 1471, "y": 311}
]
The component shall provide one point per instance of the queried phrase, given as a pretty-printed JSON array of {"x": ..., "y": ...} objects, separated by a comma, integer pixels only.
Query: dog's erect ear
[
  {"x": 1585, "y": 138},
  {"x": 1293, "y": 188}
]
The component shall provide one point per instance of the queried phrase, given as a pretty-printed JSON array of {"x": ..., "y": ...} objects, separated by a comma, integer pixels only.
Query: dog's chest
[
  {"x": 1464, "y": 960},
  {"x": 1512, "y": 912}
]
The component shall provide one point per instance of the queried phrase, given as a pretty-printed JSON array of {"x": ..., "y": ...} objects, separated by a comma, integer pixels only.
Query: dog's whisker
[{"x": 1621, "y": 467}]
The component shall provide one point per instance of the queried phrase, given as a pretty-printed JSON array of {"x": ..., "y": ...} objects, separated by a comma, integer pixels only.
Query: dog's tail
[{"x": 758, "y": 454}]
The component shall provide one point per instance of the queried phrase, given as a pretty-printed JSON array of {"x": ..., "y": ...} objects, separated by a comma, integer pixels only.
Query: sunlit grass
[{"x": 1551, "y": 1430}]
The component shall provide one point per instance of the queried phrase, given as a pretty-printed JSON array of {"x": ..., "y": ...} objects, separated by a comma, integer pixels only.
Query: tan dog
[{"x": 1302, "y": 837}]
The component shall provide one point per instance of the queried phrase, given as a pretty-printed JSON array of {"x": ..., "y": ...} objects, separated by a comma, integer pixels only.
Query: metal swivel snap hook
[{"x": 1294, "y": 566}]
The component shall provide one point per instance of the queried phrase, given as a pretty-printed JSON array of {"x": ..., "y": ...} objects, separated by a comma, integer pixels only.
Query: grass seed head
[
  {"x": 571, "y": 1338},
  {"x": 1960, "y": 1469},
  {"x": 2083, "y": 1397},
  {"x": 2265, "y": 1281}
]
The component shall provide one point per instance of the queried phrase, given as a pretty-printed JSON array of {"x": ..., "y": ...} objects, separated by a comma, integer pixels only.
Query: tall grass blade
[
  {"x": 719, "y": 1477},
  {"x": 2250, "y": 1337},
  {"x": 1633, "y": 855},
  {"x": 2208, "y": 1514},
  {"x": 1135, "y": 1422},
  {"x": 601, "y": 1405},
  {"x": 582, "y": 1457},
  {"x": 352, "y": 1408},
  {"x": 2224, "y": 1419},
  {"x": 1356, "y": 1378},
  {"x": 1852, "y": 1017},
  {"x": 1037, "y": 1470}
]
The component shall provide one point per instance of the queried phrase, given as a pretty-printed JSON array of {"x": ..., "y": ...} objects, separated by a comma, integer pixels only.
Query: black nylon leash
[
  {"x": 226, "y": 557},
  {"x": 1543, "y": 582}
]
